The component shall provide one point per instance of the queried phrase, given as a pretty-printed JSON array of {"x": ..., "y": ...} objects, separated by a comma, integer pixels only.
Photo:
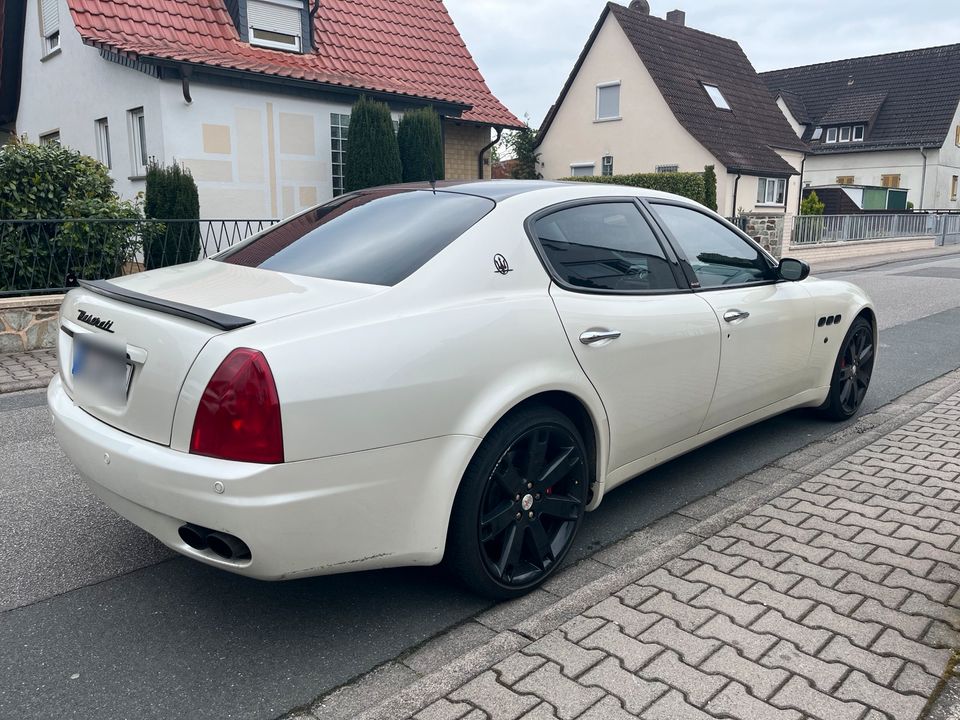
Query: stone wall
[
  {"x": 825, "y": 252},
  {"x": 767, "y": 230},
  {"x": 462, "y": 145},
  {"x": 29, "y": 323}
]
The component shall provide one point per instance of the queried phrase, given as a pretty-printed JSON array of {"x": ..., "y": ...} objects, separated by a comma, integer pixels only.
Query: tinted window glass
[
  {"x": 607, "y": 246},
  {"x": 377, "y": 237},
  {"x": 717, "y": 254}
]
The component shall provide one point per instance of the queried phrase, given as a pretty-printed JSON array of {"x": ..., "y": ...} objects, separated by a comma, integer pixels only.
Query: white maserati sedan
[{"x": 409, "y": 375}]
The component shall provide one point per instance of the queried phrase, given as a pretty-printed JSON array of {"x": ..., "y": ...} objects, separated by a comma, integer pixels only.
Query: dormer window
[
  {"x": 817, "y": 133},
  {"x": 858, "y": 131},
  {"x": 831, "y": 135},
  {"x": 718, "y": 99},
  {"x": 276, "y": 24},
  {"x": 845, "y": 134}
]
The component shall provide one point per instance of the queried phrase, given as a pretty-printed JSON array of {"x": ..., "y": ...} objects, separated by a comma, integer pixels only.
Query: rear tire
[
  {"x": 519, "y": 505},
  {"x": 851, "y": 372}
]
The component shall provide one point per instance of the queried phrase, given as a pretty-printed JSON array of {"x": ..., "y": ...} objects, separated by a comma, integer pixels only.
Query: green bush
[
  {"x": 373, "y": 155},
  {"x": 420, "y": 141},
  {"x": 171, "y": 195},
  {"x": 688, "y": 184},
  {"x": 52, "y": 182},
  {"x": 811, "y": 205},
  {"x": 523, "y": 145},
  {"x": 710, "y": 187}
]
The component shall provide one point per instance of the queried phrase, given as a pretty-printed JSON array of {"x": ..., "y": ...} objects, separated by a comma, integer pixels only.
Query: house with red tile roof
[{"x": 253, "y": 96}]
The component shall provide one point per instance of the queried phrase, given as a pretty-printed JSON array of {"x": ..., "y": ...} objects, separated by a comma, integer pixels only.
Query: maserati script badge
[
  {"x": 501, "y": 265},
  {"x": 89, "y": 319}
]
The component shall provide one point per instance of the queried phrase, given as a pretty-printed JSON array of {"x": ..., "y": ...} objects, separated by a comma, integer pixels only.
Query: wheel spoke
[
  {"x": 536, "y": 453},
  {"x": 558, "y": 469},
  {"x": 508, "y": 477},
  {"x": 865, "y": 354},
  {"x": 510, "y": 555},
  {"x": 845, "y": 393},
  {"x": 561, "y": 507},
  {"x": 497, "y": 520},
  {"x": 540, "y": 544}
]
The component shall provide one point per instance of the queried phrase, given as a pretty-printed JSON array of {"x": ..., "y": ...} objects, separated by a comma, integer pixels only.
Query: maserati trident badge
[{"x": 501, "y": 265}]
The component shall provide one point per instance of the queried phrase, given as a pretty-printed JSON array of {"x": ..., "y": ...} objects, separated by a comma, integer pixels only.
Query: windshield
[{"x": 376, "y": 237}]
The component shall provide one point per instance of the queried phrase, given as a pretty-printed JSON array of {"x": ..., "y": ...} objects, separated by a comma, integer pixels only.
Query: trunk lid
[{"x": 162, "y": 340}]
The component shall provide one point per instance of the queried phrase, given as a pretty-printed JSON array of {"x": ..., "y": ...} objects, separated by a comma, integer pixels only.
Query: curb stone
[{"x": 376, "y": 695}]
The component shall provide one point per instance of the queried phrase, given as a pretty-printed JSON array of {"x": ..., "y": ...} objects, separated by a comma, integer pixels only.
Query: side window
[
  {"x": 606, "y": 246},
  {"x": 717, "y": 255}
]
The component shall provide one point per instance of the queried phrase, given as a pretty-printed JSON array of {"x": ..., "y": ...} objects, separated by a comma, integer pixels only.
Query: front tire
[
  {"x": 851, "y": 372},
  {"x": 520, "y": 504}
]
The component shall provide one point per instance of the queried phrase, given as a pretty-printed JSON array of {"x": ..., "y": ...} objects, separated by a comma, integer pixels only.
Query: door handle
[
  {"x": 732, "y": 316},
  {"x": 591, "y": 337}
]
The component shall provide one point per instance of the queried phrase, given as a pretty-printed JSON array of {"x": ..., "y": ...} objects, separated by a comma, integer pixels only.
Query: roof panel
[{"x": 408, "y": 47}]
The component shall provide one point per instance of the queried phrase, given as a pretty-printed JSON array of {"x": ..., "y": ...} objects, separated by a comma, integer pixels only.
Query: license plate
[{"x": 101, "y": 371}]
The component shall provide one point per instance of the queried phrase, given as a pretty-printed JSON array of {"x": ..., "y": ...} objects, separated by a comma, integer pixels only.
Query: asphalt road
[{"x": 98, "y": 620}]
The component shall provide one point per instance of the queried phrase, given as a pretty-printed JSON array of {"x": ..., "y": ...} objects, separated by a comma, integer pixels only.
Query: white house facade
[
  {"x": 627, "y": 109},
  {"x": 887, "y": 120},
  {"x": 262, "y": 136}
]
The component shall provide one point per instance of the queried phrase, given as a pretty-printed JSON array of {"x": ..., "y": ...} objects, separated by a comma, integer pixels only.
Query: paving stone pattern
[
  {"x": 838, "y": 600},
  {"x": 26, "y": 370}
]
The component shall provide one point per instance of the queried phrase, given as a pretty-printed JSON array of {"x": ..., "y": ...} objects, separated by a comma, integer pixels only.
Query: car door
[
  {"x": 767, "y": 324},
  {"x": 646, "y": 342}
]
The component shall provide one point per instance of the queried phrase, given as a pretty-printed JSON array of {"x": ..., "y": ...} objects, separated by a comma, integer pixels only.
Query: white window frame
[
  {"x": 581, "y": 166},
  {"x": 137, "y": 128},
  {"x": 50, "y": 137},
  {"x": 339, "y": 125},
  {"x": 604, "y": 86},
  {"x": 846, "y": 133},
  {"x": 831, "y": 135},
  {"x": 102, "y": 130},
  {"x": 717, "y": 97},
  {"x": 954, "y": 184},
  {"x": 606, "y": 165},
  {"x": 295, "y": 46},
  {"x": 859, "y": 132},
  {"x": 50, "y": 25},
  {"x": 778, "y": 187}
]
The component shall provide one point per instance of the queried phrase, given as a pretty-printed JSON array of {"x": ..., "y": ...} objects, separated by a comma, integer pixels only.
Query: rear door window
[
  {"x": 376, "y": 237},
  {"x": 605, "y": 246}
]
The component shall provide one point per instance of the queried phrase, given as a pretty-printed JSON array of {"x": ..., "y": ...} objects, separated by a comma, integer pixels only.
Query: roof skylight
[{"x": 718, "y": 99}]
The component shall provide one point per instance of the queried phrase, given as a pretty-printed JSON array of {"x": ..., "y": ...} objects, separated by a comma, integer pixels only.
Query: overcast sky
[{"x": 526, "y": 48}]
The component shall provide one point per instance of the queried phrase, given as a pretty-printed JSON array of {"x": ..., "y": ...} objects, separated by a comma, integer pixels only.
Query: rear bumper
[{"x": 378, "y": 508}]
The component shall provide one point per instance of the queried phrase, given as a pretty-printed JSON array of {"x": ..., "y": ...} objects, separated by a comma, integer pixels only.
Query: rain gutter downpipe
[
  {"x": 484, "y": 152},
  {"x": 803, "y": 163},
  {"x": 923, "y": 176},
  {"x": 736, "y": 186}
]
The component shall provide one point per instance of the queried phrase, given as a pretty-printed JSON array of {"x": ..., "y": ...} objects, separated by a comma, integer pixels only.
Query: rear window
[{"x": 376, "y": 237}]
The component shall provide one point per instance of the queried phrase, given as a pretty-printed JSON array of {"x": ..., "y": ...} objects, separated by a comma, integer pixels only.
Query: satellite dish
[{"x": 641, "y": 6}]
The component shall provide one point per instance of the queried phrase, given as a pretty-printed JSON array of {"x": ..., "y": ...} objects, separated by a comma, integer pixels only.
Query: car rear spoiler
[{"x": 212, "y": 318}]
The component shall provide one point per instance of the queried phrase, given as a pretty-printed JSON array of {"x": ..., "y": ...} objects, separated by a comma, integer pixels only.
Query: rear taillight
[{"x": 239, "y": 413}]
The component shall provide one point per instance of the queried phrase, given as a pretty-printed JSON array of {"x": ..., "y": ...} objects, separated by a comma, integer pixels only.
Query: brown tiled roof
[
  {"x": 920, "y": 91},
  {"x": 680, "y": 60},
  {"x": 405, "y": 47}
]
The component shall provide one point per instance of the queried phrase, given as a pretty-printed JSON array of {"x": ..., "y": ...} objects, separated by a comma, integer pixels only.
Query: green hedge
[{"x": 688, "y": 184}]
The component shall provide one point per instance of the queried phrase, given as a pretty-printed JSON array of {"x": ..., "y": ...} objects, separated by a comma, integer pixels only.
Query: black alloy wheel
[
  {"x": 852, "y": 372},
  {"x": 520, "y": 504}
]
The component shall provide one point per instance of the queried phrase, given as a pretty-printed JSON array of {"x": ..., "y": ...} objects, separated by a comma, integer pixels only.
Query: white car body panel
[{"x": 386, "y": 392}]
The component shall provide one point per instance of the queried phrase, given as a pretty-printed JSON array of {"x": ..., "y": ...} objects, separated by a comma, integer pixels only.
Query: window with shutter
[
  {"x": 275, "y": 23},
  {"x": 608, "y": 101},
  {"x": 50, "y": 24}
]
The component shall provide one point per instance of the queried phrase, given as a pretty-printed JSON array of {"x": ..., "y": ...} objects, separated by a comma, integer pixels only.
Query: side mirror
[{"x": 793, "y": 270}]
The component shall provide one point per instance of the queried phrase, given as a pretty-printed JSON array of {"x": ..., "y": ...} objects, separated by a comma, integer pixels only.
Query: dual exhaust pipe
[{"x": 223, "y": 545}]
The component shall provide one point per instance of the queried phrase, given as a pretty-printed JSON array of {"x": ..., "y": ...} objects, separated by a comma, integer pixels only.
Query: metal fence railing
[
  {"x": 48, "y": 256},
  {"x": 815, "y": 229}
]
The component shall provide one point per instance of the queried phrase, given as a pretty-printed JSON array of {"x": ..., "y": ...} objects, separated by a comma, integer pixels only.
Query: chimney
[{"x": 677, "y": 16}]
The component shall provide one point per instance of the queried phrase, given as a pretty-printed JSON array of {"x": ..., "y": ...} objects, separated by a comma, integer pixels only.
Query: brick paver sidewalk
[
  {"x": 837, "y": 600},
  {"x": 26, "y": 370}
]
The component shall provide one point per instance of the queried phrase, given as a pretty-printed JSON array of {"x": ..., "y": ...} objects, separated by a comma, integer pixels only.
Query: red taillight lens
[{"x": 239, "y": 413}]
